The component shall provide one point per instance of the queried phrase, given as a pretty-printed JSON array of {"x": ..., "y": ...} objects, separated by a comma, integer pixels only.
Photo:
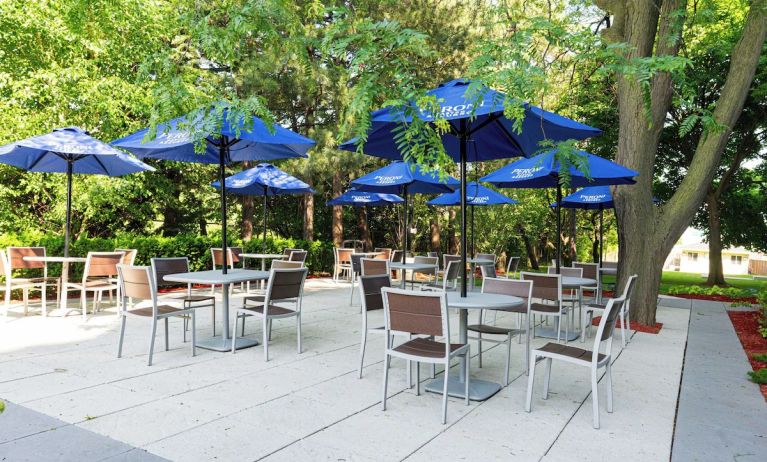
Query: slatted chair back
[
  {"x": 286, "y": 283},
  {"x": 102, "y": 264},
  {"x": 385, "y": 251},
  {"x": 590, "y": 270},
  {"x": 16, "y": 257},
  {"x": 129, "y": 257},
  {"x": 545, "y": 286},
  {"x": 610, "y": 264},
  {"x": 486, "y": 256},
  {"x": 567, "y": 272},
  {"x": 235, "y": 255},
  {"x": 136, "y": 282},
  {"x": 371, "y": 286},
  {"x": 419, "y": 313},
  {"x": 374, "y": 266},
  {"x": 282, "y": 264},
  {"x": 513, "y": 287},
  {"x": 162, "y": 267},
  {"x": 218, "y": 257},
  {"x": 287, "y": 251},
  {"x": 607, "y": 323},
  {"x": 447, "y": 258},
  {"x": 513, "y": 265},
  {"x": 488, "y": 271},
  {"x": 298, "y": 255},
  {"x": 452, "y": 273},
  {"x": 344, "y": 256},
  {"x": 397, "y": 256}
]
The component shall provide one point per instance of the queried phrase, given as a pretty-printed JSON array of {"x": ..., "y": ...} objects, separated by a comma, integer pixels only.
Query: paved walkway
[
  {"x": 722, "y": 416},
  {"x": 219, "y": 406}
]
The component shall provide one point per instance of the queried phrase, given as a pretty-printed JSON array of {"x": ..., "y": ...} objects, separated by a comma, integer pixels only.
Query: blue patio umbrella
[
  {"x": 543, "y": 171},
  {"x": 69, "y": 150},
  {"x": 357, "y": 198},
  {"x": 475, "y": 115},
  {"x": 593, "y": 198},
  {"x": 476, "y": 195},
  {"x": 235, "y": 140},
  {"x": 264, "y": 180},
  {"x": 405, "y": 178}
]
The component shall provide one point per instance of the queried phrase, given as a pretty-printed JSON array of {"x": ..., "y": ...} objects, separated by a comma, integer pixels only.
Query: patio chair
[
  {"x": 594, "y": 359},
  {"x": 398, "y": 256},
  {"x": 298, "y": 256},
  {"x": 512, "y": 267},
  {"x": 425, "y": 314},
  {"x": 129, "y": 258},
  {"x": 41, "y": 283},
  {"x": 446, "y": 259},
  {"x": 287, "y": 251},
  {"x": 488, "y": 271},
  {"x": 596, "y": 307},
  {"x": 486, "y": 256},
  {"x": 218, "y": 261},
  {"x": 547, "y": 289},
  {"x": 434, "y": 255},
  {"x": 449, "y": 278},
  {"x": 138, "y": 284},
  {"x": 606, "y": 264},
  {"x": 432, "y": 272},
  {"x": 374, "y": 267},
  {"x": 521, "y": 289},
  {"x": 282, "y": 264},
  {"x": 285, "y": 285},
  {"x": 386, "y": 251},
  {"x": 98, "y": 276},
  {"x": 356, "y": 271},
  {"x": 571, "y": 296},
  {"x": 162, "y": 267},
  {"x": 343, "y": 263}
]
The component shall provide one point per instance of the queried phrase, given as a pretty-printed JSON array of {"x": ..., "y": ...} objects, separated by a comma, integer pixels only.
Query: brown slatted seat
[
  {"x": 494, "y": 330},
  {"x": 544, "y": 308},
  {"x": 275, "y": 310},
  {"x": 570, "y": 351},
  {"x": 161, "y": 309},
  {"x": 426, "y": 348}
]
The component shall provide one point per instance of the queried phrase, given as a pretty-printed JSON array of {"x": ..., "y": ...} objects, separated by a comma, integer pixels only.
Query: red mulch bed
[
  {"x": 637, "y": 326},
  {"x": 746, "y": 324}
]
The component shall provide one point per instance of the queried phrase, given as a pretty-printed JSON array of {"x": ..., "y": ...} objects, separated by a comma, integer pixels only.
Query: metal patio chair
[
  {"x": 98, "y": 276},
  {"x": 547, "y": 289},
  {"x": 161, "y": 267},
  {"x": 15, "y": 261},
  {"x": 625, "y": 317}
]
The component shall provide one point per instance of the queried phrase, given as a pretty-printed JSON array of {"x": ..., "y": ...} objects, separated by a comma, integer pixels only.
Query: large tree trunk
[
  {"x": 309, "y": 214},
  {"x": 645, "y": 235},
  {"x": 338, "y": 211},
  {"x": 452, "y": 238},
  {"x": 532, "y": 258},
  {"x": 715, "y": 270},
  {"x": 248, "y": 212},
  {"x": 362, "y": 227},
  {"x": 436, "y": 243}
]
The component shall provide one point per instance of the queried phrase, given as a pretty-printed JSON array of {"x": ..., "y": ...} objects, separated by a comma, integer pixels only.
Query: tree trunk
[
  {"x": 572, "y": 240},
  {"x": 362, "y": 227},
  {"x": 532, "y": 258},
  {"x": 715, "y": 270},
  {"x": 203, "y": 226},
  {"x": 309, "y": 214},
  {"x": 452, "y": 238},
  {"x": 436, "y": 243},
  {"x": 338, "y": 211},
  {"x": 248, "y": 212},
  {"x": 645, "y": 235}
]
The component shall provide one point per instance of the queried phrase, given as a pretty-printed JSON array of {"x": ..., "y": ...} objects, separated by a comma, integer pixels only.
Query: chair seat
[
  {"x": 161, "y": 309},
  {"x": 98, "y": 284},
  {"x": 543, "y": 308},
  {"x": 426, "y": 348},
  {"x": 254, "y": 298},
  {"x": 195, "y": 298},
  {"x": 567, "y": 351},
  {"x": 25, "y": 282},
  {"x": 493, "y": 330},
  {"x": 274, "y": 310},
  {"x": 595, "y": 306}
]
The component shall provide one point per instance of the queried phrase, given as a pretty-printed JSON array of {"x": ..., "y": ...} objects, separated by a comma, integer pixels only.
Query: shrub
[
  {"x": 759, "y": 376},
  {"x": 761, "y": 298},
  {"x": 731, "y": 292}
]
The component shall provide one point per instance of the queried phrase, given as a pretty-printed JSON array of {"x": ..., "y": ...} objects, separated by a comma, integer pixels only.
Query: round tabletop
[
  {"x": 479, "y": 260},
  {"x": 412, "y": 266},
  {"x": 571, "y": 281},
  {"x": 51, "y": 259},
  {"x": 216, "y": 277},
  {"x": 482, "y": 301},
  {"x": 263, "y": 255},
  {"x": 612, "y": 271}
]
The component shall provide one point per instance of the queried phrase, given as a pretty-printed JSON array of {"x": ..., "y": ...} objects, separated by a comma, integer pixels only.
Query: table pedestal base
[
  {"x": 479, "y": 390},
  {"x": 551, "y": 332},
  {"x": 63, "y": 312},
  {"x": 219, "y": 344}
]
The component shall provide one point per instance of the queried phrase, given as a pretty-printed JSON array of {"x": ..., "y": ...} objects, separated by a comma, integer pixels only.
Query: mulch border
[{"x": 746, "y": 324}]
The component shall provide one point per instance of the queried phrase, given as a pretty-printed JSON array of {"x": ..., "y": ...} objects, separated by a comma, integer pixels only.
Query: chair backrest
[
  {"x": 281, "y": 264},
  {"x": 609, "y": 264},
  {"x": 344, "y": 255},
  {"x": 421, "y": 313},
  {"x": 628, "y": 289},
  {"x": 513, "y": 287},
  {"x": 374, "y": 266},
  {"x": 286, "y": 283},
  {"x": 545, "y": 286},
  {"x": 298, "y": 255},
  {"x": 218, "y": 256},
  {"x": 370, "y": 291},
  {"x": 567, "y": 272},
  {"x": 5, "y": 269},
  {"x": 607, "y": 324},
  {"x": 488, "y": 271},
  {"x": 386, "y": 251},
  {"x": 129, "y": 256},
  {"x": 486, "y": 256},
  {"x": 420, "y": 259},
  {"x": 136, "y": 282},
  {"x": 435, "y": 255},
  {"x": 356, "y": 260},
  {"x": 590, "y": 270},
  {"x": 447, "y": 258},
  {"x": 162, "y": 267},
  {"x": 286, "y": 251},
  {"x": 99, "y": 264},
  {"x": 513, "y": 265},
  {"x": 452, "y": 273},
  {"x": 16, "y": 257},
  {"x": 234, "y": 254},
  {"x": 397, "y": 256}
]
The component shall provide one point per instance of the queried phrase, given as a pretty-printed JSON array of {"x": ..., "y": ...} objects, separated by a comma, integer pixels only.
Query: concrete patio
[{"x": 70, "y": 398}]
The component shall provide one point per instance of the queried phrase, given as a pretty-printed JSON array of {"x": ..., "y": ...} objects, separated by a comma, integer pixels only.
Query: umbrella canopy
[
  {"x": 264, "y": 180},
  {"x": 236, "y": 141},
  {"x": 476, "y": 113},
  {"x": 405, "y": 178},
  {"x": 476, "y": 116},
  {"x": 70, "y": 150},
  {"x": 357, "y": 198},
  {"x": 476, "y": 194},
  {"x": 543, "y": 171}
]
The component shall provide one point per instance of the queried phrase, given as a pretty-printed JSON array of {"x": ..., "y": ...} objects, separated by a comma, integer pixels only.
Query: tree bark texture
[
  {"x": 338, "y": 211},
  {"x": 715, "y": 270},
  {"x": 309, "y": 213},
  {"x": 435, "y": 241}
]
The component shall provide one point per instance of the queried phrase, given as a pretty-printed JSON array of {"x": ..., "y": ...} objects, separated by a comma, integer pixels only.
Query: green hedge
[{"x": 196, "y": 247}]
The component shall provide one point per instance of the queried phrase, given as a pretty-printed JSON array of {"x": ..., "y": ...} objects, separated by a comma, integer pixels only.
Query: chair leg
[
  {"x": 83, "y": 305},
  {"x": 547, "y": 378},
  {"x": 362, "y": 351},
  {"x": 298, "y": 331},
  {"x": 385, "y": 379},
  {"x": 479, "y": 344},
  {"x": 609, "y": 374},
  {"x": 186, "y": 326},
  {"x": 242, "y": 334},
  {"x": 530, "y": 379},
  {"x": 595, "y": 397},
  {"x": 194, "y": 335},
  {"x": 466, "y": 364},
  {"x": 43, "y": 296},
  {"x": 446, "y": 377},
  {"x": 25, "y": 298},
  {"x": 122, "y": 337},
  {"x": 167, "y": 342},
  {"x": 417, "y": 378},
  {"x": 234, "y": 331},
  {"x": 214, "y": 318},
  {"x": 7, "y": 304},
  {"x": 151, "y": 340},
  {"x": 508, "y": 360},
  {"x": 266, "y": 338},
  {"x": 623, "y": 330}
]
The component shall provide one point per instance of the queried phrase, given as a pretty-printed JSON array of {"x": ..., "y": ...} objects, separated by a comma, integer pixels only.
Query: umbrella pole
[
  {"x": 463, "y": 147},
  {"x": 222, "y": 174},
  {"x": 601, "y": 234},
  {"x": 69, "y": 207},
  {"x": 266, "y": 209},
  {"x": 559, "y": 227},
  {"x": 407, "y": 225},
  {"x": 473, "y": 250}
]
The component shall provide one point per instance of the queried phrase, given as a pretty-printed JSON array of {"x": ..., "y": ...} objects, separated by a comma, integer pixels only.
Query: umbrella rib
[
  {"x": 509, "y": 136},
  {"x": 40, "y": 158},
  {"x": 106, "y": 172}
]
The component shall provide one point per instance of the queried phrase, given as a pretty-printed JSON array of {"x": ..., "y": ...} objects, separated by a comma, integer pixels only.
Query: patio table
[
  {"x": 65, "y": 262},
  {"x": 568, "y": 282},
  {"x": 216, "y": 277},
  {"x": 263, "y": 257},
  {"x": 479, "y": 390},
  {"x": 413, "y": 268}
]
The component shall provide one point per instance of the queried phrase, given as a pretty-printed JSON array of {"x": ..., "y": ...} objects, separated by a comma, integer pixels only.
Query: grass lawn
[{"x": 675, "y": 278}]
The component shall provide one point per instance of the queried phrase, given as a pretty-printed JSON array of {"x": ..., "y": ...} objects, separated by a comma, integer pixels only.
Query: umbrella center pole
[
  {"x": 68, "y": 222},
  {"x": 222, "y": 151},
  {"x": 601, "y": 234},
  {"x": 559, "y": 227},
  {"x": 463, "y": 149},
  {"x": 266, "y": 210},
  {"x": 407, "y": 225}
]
